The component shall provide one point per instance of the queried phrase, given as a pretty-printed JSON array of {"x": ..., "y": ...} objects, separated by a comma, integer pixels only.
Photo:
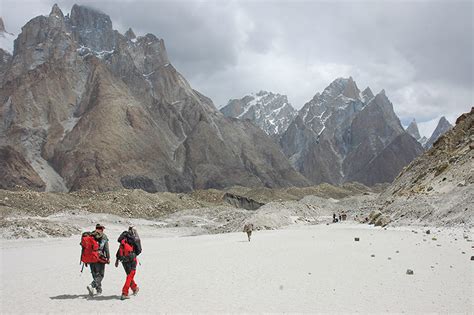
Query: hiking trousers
[
  {"x": 130, "y": 269},
  {"x": 98, "y": 271}
]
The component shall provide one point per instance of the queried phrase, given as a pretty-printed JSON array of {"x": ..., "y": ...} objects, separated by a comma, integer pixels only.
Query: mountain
[
  {"x": 85, "y": 107},
  {"x": 442, "y": 127},
  {"x": 271, "y": 112},
  {"x": 344, "y": 135},
  {"x": 437, "y": 187},
  {"x": 6, "y": 38},
  {"x": 6, "y": 47},
  {"x": 412, "y": 129}
]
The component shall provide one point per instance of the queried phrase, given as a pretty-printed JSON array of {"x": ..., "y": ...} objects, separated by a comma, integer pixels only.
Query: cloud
[{"x": 420, "y": 52}]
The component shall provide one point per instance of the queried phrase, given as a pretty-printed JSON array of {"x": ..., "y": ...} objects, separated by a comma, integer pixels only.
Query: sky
[{"x": 419, "y": 52}]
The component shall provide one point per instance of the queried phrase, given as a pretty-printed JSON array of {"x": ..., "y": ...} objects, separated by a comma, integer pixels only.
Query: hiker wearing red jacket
[
  {"x": 130, "y": 247},
  {"x": 98, "y": 268}
]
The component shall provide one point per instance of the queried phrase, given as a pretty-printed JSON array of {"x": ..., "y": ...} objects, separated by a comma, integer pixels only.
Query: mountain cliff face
[
  {"x": 442, "y": 127},
  {"x": 271, "y": 112},
  {"x": 437, "y": 186},
  {"x": 87, "y": 107},
  {"x": 345, "y": 135}
]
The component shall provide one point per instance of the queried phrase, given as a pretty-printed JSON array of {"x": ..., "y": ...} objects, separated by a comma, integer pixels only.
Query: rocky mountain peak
[
  {"x": 412, "y": 129},
  {"x": 86, "y": 108},
  {"x": 444, "y": 123},
  {"x": 341, "y": 86},
  {"x": 350, "y": 89},
  {"x": 367, "y": 95},
  {"x": 129, "y": 34},
  {"x": 6, "y": 39},
  {"x": 269, "y": 111},
  {"x": 92, "y": 28},
  {"x": 443, "y": 126},
  {"x": 56, "y": 12},
  {"x": 343, "y": 135},
  {"x": 2, "y": 26},
  {"x": 89, "y": 18}
]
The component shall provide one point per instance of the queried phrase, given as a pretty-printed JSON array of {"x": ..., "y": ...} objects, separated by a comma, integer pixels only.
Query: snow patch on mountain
[{"x": 271, "y": 112}]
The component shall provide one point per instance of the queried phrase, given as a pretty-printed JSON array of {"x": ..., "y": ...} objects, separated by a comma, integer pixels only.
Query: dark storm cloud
[{"x": 420, "y": 52}]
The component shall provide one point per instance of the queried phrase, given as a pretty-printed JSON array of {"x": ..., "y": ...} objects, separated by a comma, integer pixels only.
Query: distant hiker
[
  {"x": 130, "y": 247},
  {"x": 95, "y": 252},
  {"x": 344, "y": 216},
  {"x": 248, "y": 228},
  {"x": 334, "y": 219},
  {"x": 340, "y": 217}
]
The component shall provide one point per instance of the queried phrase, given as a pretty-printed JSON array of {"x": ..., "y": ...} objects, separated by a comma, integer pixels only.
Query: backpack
[
  {"x": 130, "y": 247},
  {"x": 125, "y": 249},
  {"x": 90, "y": 249}
]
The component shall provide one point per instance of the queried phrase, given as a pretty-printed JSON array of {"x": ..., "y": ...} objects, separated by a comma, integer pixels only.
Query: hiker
[
  {"x": 334, "y": 219},
  {"x": 248, "y": 228},
  {"x": 98, "y": 265},
  {"x": 130, "y": 247},
  {"x": 344, "y": 216}
]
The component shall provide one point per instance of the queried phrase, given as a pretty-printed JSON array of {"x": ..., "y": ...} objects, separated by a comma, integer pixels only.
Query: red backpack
[
  {"x": 125, "y": 249},
  {"x": 90, "y": 249}
]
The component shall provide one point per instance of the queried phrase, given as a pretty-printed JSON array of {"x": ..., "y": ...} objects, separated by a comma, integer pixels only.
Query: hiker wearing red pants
[{"x": 130, "y": 247}]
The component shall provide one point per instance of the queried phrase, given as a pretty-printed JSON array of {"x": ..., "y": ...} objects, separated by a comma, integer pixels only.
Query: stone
[
  {"x": 410, "y": 272},
  {"x": 356, "y": 239},
  {"x": 428, "y": 232}
]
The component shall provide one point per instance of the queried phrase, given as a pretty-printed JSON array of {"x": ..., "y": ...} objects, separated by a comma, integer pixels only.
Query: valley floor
[{"x": 317, "y": 268}]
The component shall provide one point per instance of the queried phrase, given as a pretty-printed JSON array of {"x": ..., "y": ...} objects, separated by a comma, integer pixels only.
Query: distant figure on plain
[
  {"x": 344, "y": 216},
  {"x": 248, "y": 228}
]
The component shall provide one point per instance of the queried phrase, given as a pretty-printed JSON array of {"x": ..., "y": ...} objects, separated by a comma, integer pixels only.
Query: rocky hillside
[
  {"x": 271, "y": 112},
  {"x": 346, "y": 135},
  {"x": 83, "y": 106},
  {"x": 438, "y": 185},
  {"x": 442, "y": 127}
]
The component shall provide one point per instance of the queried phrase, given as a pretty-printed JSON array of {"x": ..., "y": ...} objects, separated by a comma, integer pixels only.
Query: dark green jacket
[{"x": 103, "y": 241}]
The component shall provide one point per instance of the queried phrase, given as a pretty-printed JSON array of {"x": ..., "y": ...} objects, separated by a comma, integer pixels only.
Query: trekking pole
[{"x": 82, "y": 268}]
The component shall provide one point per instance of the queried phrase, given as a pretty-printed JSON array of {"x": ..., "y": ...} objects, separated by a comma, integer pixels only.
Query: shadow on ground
[{"x": 85, "y": 296}]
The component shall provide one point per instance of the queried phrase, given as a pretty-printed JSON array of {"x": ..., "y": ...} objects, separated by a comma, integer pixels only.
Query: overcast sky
[{"x": 420, "y": 52}]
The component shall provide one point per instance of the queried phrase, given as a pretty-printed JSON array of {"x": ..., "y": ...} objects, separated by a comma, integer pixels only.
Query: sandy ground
[{"x": 299, "y": 269}]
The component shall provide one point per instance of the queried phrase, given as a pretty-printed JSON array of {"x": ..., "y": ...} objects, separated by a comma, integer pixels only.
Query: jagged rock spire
[
  {"x": 350, "y": 89},
  {"x": 412, "y": 129},
  {"x": 56, "y": 11},
  {"x": 2, "y": 26},
  {"x": 129, "y": 34}
]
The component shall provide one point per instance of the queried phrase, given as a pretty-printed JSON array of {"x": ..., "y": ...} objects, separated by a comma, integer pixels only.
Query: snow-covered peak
[
  {"x": 271, "y": 112},
  {"x": 340, "y": 98},
  {"x": 6, "y": 38}
]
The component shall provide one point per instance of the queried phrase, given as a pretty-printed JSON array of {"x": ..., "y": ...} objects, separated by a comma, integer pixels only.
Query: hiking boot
[
  {"x": 124, "y": 297},
  {"x": 135, "y": 292},
  {"x": 90, "y": 289}
]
